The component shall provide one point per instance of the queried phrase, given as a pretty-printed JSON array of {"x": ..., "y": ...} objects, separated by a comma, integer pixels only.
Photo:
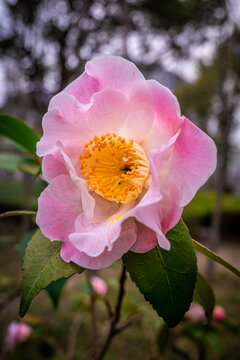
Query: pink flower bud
[
  {"x": 16, "y": 332},
  {"x": 99, "y": 285},
  {"x": 196, "y": 313},
  {"x": 219, "y": 313}
]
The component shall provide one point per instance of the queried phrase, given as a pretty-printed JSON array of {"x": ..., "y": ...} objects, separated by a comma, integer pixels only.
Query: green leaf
[
  {"x": 166, "y": 278},
  {"x": 17, "y": 213},
  {"x": 19, "y": 132},
  {"x": 54, "y": 290},
  {"x": 204, "y": 250},
  {"x": 203, "y": 294},
  {"x": 15, "y": 162},
  {"x": 42, "y": 265},
  {"x": 32, "y": 169},
  {"x": 23, "y": 243}
]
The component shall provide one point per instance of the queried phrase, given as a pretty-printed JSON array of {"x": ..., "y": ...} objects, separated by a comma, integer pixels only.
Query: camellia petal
[
  {"x": 52, "y": 166},
  {"x": 68, "y": 107},
  {"x": 146, "y": 239},
  {"x": 141, "y": 114},
  {"x": 108, "y": 112},
  {"x": 167, "y": 114},
  {"x": 114, "y": 72},
  {"x": 195, "y": 158},
  {"x": 121, "y": 163},
  {"x": 87, "y": 200},
  {"x": 125, "y": 241},
  {"x": 83, "y": 88},
  {"x": 55, "y": 203},
  {"x": 56, "y": 128}
]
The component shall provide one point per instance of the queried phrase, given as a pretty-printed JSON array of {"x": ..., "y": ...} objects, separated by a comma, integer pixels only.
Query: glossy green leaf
[
  {"x": 212, "y": 255},
  {"x": 42, "y": 265},
  {"x": 23, "y": 243},
  {"x": 15, "y": 162},
  {"x": 54, "y": 290},
  {"x": 166, "y": 278},
  {"x": 203, "y": 294},
  {"x": 19, "y": 132}
]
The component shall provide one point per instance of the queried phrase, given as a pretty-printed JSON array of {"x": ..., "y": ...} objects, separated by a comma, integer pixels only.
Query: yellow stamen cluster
[{"x": 114, "y": 168}]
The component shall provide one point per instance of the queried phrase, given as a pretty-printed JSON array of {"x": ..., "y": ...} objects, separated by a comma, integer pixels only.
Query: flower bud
[{"x": 99, "y": 285}]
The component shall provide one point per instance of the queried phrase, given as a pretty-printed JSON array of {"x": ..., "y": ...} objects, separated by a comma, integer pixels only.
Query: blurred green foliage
[
  {"x": 12, "y": 194},
  {"x": 203, "y": 204}
]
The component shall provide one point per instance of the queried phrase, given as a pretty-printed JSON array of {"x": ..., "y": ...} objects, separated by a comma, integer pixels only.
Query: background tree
[{"x": 214, "y": 100}]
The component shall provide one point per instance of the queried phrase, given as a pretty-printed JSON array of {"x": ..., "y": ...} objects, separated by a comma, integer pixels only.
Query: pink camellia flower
[
  {"x": 99, "y": 285},
  {"x": 121, "y": 163},
  {"x": 17, "y": 332},
  {"x": 219, "y": 313},
  {"x": 196, "y": 313}
]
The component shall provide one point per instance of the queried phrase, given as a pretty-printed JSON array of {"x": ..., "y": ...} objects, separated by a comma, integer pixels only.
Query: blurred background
[{"x": 190, "y": 46}]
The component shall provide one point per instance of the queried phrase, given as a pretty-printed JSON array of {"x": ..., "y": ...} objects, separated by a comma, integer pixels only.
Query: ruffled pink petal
[
  {"x": 108, "y": 113},
  {"x": 93, "y": 239},
  {"x": 120, "y": 247},
  {"x": 146, "y": 239},
  {"x": 53, "y": 166},
  {"x": 178, "y": 170},
  {"x": 58, "y": 207},
  {"x": 102, "y": 231},
  {"x": 71, "y": 123},
  {"x": 141, "y": 114},
  {"x": 72, "y": 165},
  {"x": 193, "y": 161},
  {"x": 151, "y": 216},
  {"x": 171, "y": 214},
  {"x": 114, "y": 72},
  {"x": 70, "y": 158},
  {"x": 148, "y": 212},
  {"x": 167, "y": 114},
  {"x": 151, "y": 211},
  {"x": 83, "y": 88},
  {"x": 69, "y": 108},
  {"x": 57, "y": 128}
]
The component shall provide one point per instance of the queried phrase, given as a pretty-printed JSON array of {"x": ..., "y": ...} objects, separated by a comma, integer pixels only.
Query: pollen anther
[{"x": 114, "y": 168}]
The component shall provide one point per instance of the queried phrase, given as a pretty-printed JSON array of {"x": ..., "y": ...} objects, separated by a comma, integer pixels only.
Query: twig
[
  {"x": 116, "y": 316},
  {"x": 109, "y": 309},
  {"x": 72, "y": 337},
  {"x": 120, "y": 295},
  {"x": 134, "y": 318},
  {"x": 93, "y": 315}
]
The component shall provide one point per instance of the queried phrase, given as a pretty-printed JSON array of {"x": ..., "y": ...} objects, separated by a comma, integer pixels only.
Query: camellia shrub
[{"x": 121, "y": 162}]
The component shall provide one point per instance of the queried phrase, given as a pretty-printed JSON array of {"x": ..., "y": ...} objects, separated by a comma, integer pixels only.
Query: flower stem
[
  {"x": 17, "y": 213},
  {"x": 93, "y": 315},
  {"x": 100, "y": 348},
  {"x": 204, "y": 250},
  {"x": 115, "y": 317}
]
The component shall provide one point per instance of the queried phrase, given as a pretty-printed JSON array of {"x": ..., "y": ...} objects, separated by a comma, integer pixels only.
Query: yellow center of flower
[{"x": 114, "y": 168}]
